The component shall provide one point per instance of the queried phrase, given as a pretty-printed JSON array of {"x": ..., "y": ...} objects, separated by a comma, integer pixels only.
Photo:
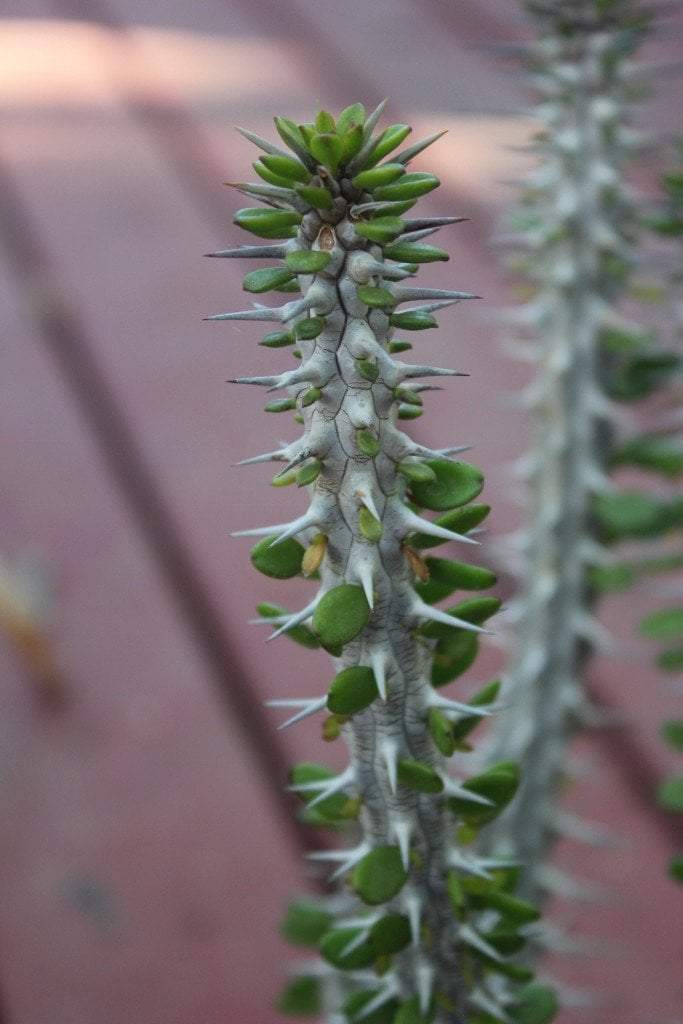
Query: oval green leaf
[{"x": 340, "y": 615}]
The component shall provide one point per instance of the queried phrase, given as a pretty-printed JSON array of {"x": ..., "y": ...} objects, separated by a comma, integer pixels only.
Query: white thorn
[
  {"x": 472, "y": 865},
  {"x": 388, "y": 748},
  {"x": 454, "y": 788},
  {"x": 402, "y": 829},
  {"x": 355, "y": 942},
  {"x": 327, "y": 787},
  {"x": 368, "y": 501},
  {"x": 364, "y": 575},
  {"x": 416, "y": 524},
  {"x": 424, "y": 981},
  {"x": 310, "y": 708},
  {"x": 378, "y": 664},
  {"x": 296, "y": 619},
  {"x": 426, "y": 611},
  {"x": 474, "y": 939},
  {"x": 488, "y": 1005},
  {"x": 407, "y": 371},
  {"x": 283, "y": 530},
  {"x": 382, "y": 997},
  {"x": 413, "y": 905},
  {"x": 275, "y": 456},
  {"x": 435, "y": 700}
]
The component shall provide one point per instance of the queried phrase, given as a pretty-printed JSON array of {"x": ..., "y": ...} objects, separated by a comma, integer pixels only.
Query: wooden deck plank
[{"x": 141, "y": 831}]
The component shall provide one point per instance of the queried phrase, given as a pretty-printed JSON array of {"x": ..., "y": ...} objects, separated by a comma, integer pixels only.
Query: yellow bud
[{"x": 314, "y": 554}]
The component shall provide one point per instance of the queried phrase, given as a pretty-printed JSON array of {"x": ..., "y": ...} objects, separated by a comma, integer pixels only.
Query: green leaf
[
  {"x": 656, "y": 452},
  {"x": 414, "y": 252},
  {"x": 324, "y": 122},
  {"x": 640, "y": 375},
  {"x": 367, "y": 443},
  {"x": 379, "y": 876},
  {"x": 290, "y": 134},
  {"x": 630, "y": 514},
  {"x": 318, "y": 197},
  {"x": 380, "y": 229},
  {"x": 309, "y": 473},
  {"x": 351, "y": 143},
  {"x": 340, "y": 615},
  {"x": 412, "y": 398},
  {"x": 376, "y": 298},
  {"x": 307, "y": 261},
  {"x": 441, "y": 732},
  {"x": 612, "y": 578},
  {"x": 498, "y": 784},
  {"x": 465, "y": 725},
  {"x": 350, "y": 116},
  {"x": 286, "y": 167},
  {"x": 280, "y": 405},
  {"x": 266, "y": 279},
  {"x": 446, "y": 576},
  {"x": 475, "y": 610},
  {"x": 399, "y": 346},
  {"x": 460, "y": 520},
  {"x": 672, "y": 733},
  {"x": 666, "y": 624},
  {"x": 409, "y": 1013},
  {"x": 352, "y": 690},
  {"x": 390, "y": 138},
  {"x": 671, "y": 660},
  {"x": 411, "y": 186},
  {"x": 415, "y": 775},
  {"x": 301, "y": 997},
  {"x": 390, "y": 934},
  {"x": 268, "y": 223},
  {"x": 368, "y": 369},
  {"x": 305, "y": 923},
  {"x": 310, "y": 396},
  {"x": 280, "y": 562},
  {"x": 277, "y": 339},
  {"x": 272, "y": 179},
  {"x": 536, "y": 1004},
  {"x": 676, "y": 869},
  {"x": 412, "y": 320},
  {"x": 511, "y": 907},
  {"x": 670, "y": 794},
  {"x": 300, "y": 634},
  {"x": 376, "y": 176},
  {"x": 309, "y": 328},
  {"x": 456, "y": 484},
  {"x": 417, "y": 472},
  {"x": 453, "y": 656},
  {"x": 327, "y": 150},
  {"x": 335, "y": 942},
  {"x": 370, "y": 527},
  {"x": 355, "y": 1003}
]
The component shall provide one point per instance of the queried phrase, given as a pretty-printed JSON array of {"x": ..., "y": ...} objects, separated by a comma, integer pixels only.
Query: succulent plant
[
  {"x": 423, "y": 929},
  {"x": 578, "y": 224}
]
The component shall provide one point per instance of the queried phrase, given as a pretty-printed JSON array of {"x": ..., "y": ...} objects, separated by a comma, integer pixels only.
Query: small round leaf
[
  {"x": 352, "y": 690},
  {"x": 340, "y": 615},
  {"x": 379, "y": 876},
  {"x": 280, "y": 562},
  {"x": 456, "y": 484}
]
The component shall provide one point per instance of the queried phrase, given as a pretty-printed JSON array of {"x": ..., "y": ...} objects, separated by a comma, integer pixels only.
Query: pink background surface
[{"x": 146, "y": 858}]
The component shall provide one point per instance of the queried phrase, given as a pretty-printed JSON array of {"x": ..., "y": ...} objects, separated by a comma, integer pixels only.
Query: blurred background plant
[{"x": 148, "y": 788}]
